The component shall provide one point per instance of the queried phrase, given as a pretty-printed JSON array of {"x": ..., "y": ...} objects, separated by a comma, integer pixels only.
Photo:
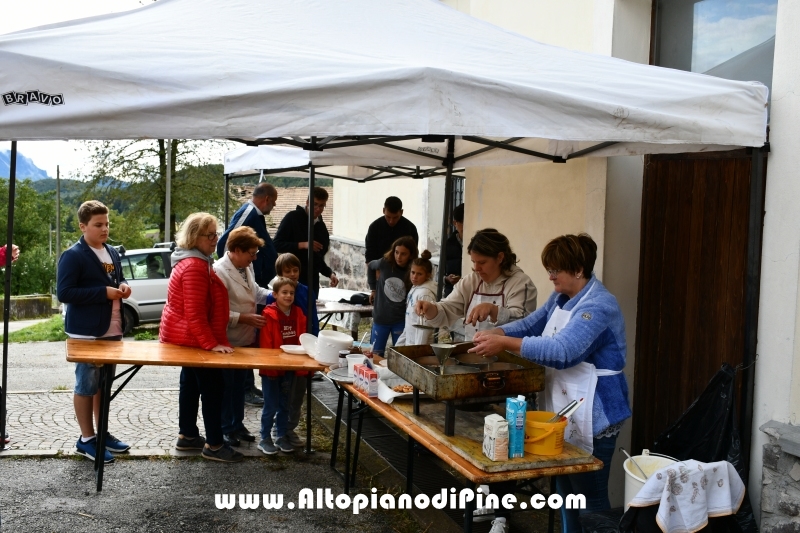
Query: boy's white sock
[{"x": 87, "y": 439}]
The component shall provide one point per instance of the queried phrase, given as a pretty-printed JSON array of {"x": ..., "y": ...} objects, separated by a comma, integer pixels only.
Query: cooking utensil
[
  {"x": 422, "y": 322},
  {"x": 442, "y": 352},
  {"x": 564, "y": 411},
  {"x": 633, "y": 461}
]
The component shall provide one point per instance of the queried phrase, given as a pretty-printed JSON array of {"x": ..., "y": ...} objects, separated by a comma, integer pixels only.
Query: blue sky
[{"x": 726, "y": 28}]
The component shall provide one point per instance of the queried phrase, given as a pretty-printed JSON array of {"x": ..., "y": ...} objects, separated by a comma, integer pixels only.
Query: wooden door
[{"x": 692, "y": 283}]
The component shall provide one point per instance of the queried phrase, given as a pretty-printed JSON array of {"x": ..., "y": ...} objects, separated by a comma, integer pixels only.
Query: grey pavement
[
  {"x": 165, "y": 490},
  {"x": 16, "y": 325}
]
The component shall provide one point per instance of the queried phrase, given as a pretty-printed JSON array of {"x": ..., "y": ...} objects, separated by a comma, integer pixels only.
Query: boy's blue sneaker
[
  {"x": 114, "y": 445},
  {"x": 88, "y": 449},
  {"x": 267, "y": 446}
]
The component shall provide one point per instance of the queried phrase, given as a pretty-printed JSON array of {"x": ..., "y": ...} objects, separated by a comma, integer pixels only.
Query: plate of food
[
  {"x": 391, "y": 388},
  {"x": 293, "y": 349}
]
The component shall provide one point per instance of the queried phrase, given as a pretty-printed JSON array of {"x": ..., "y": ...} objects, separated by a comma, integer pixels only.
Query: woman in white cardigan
[{"x": 236, "y": 271}]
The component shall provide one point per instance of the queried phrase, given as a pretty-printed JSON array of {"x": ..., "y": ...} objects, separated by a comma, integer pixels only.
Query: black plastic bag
[
  {"x": 707, "y": 432},
  {"x": 602, "y": 521}
]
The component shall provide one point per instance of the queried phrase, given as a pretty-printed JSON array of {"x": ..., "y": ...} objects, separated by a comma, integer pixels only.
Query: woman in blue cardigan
[{"x": 579, "y": 336}]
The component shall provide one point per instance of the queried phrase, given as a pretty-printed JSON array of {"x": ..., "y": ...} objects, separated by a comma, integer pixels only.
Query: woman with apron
[
  {"x": 579, "y": 336},
  {"x": 496, "y": 292}
]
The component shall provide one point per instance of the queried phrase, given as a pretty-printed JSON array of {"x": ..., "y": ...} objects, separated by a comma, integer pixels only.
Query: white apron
[
  {"x": 477, "y": 298},
  {"x": 574, "y": 383}
]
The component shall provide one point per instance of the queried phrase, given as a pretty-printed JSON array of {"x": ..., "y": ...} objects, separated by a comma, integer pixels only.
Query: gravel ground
[{"x": 56, "y": 495}]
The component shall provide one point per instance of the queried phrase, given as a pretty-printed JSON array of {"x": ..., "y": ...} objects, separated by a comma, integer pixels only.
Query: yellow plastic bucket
[{"x": 542, "y": 437}]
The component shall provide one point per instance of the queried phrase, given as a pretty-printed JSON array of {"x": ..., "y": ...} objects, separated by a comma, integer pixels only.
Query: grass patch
[
  {"x": 146, "y": 335},
  {"x": 60, "y": 387},
  {"x": 50, "y": 330}
]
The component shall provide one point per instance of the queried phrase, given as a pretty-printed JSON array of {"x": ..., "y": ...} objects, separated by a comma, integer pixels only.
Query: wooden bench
[{"x": 137, "y": 353}]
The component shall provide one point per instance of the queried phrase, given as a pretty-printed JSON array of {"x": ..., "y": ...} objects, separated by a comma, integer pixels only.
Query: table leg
[
  {"x": 410, "y": 466},
  {"x": 308, "y": 412},
  {"x": 360, "y": 412},
  {"x": 106, "y": 379},
  {"x": 469, "y": 509},
  {"x": 347, "y": 446},
  {"x": 551, "y": 513},
  {"x": 336, "y": 425}
]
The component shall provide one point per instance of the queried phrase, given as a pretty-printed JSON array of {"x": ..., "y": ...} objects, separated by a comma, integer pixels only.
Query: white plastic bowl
[{"x": 329, "y": 343}]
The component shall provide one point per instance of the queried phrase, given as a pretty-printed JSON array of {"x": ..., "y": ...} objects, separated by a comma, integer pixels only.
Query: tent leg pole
[
  {"x": 448, "y": 193},
  {"x": 312, "y": 296},
  {"x": 12, "y": 185},
  {"x": 227, "y": 199}
]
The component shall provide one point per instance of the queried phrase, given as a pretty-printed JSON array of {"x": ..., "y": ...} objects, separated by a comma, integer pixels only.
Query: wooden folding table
[{"x": 106, "y": 354}]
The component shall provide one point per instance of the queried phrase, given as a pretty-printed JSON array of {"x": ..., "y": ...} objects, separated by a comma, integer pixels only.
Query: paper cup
[{"x": 353, "y": 360}]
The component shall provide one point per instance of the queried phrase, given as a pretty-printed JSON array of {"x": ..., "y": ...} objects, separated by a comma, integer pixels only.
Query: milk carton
[
  {"x": 358, "y": 376},
  {"x": 495, "y": 438},
  {"x": 370, "y": 383},
  {"x": 515, "y": 415}
]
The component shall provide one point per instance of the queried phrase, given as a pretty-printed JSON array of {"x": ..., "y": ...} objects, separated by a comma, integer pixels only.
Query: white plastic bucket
[{"x": 650, "y": 464}]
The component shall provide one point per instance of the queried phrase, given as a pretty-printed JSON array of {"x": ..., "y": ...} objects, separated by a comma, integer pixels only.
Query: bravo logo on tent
[{"x": 32, "y": 97}]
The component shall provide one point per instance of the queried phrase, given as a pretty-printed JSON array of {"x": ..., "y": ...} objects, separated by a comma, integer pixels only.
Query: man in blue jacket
[{"x": 251, "y": 214}]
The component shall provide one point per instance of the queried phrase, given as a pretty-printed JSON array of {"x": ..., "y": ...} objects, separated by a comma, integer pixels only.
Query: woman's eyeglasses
[
  {"x": 552, "y": 273},
  {"x": 253, "y": 255},
  {"x": 212, "y": 236}
]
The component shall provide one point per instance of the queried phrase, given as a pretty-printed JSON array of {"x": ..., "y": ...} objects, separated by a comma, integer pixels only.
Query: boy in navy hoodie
[{"x": 288, "y": 266}]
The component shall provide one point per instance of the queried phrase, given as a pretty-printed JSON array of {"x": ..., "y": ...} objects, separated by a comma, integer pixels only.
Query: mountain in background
[{"x": 25, "y": 167}]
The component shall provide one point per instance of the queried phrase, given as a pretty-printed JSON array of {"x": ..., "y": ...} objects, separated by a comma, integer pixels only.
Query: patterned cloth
[{"x": 690, "y": 492}]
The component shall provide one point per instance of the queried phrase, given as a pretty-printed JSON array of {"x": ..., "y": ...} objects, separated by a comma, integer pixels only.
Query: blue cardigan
[
  {"x": 595, "y": 334},
  {"x": 82, "y": 282}
]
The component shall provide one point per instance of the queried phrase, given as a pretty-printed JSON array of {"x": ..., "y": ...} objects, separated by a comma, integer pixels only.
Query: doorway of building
[{"x": 695, "y": 308}]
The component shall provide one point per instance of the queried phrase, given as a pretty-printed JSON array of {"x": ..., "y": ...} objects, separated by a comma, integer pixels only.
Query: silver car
[{"x": 147, "y": 271}]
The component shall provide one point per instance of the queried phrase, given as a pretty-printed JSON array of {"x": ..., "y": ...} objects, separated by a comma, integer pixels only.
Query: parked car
[{"x": 147, "y": 271}]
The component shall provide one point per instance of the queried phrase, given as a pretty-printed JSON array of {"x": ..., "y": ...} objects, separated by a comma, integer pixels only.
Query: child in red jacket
[{"x": 285, "y": 324}]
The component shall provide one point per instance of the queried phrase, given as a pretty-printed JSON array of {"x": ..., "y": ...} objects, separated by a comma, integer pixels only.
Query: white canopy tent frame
[{"x": 254, "y": 72}]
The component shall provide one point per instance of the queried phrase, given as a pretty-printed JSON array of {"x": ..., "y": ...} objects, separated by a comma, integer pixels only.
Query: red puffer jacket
[{"x": 197, "y": 307}]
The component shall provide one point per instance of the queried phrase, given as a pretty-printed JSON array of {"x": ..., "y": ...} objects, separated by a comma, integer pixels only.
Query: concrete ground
[{"x": 49, "y": 488}]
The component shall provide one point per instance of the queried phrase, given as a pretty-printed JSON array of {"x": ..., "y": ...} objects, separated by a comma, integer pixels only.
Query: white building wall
[
  {"x": 531, "y": 204},
  {"x": 357, "y": 205},
  {"x": 777, "y": 385}
]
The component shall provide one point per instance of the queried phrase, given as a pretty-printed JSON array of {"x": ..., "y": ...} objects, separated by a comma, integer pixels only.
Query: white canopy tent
[{"x": 334, "y": 75}]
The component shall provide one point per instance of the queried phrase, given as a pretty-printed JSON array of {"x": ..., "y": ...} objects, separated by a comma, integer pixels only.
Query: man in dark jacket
[
  {"x": 292, "y": 237},
  {"x": 251, "y": 214},
  {"x": 455, "y": 245},
  {"x": 387, "y": 229}
]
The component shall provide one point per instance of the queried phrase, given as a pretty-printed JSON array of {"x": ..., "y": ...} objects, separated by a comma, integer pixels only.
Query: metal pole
[
  {"x": 312, "y": 297},
  {"x": 58, "y": 217},
  {"x": 167, "y": 208},
  {"x": 752, "y": 293},
  {"x": 12, "y": 185},
  {"x": 448, "y": 194},
  {"x": 227, "y": 198}
]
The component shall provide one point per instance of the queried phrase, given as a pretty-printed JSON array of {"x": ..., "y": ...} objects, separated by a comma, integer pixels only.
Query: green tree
[
  {"x": 134, "y": 173},
  {"x": 33, "y": 215}
]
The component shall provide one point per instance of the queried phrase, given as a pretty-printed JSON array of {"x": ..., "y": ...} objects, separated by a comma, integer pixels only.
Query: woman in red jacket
[{"x": 196, "y": 315}]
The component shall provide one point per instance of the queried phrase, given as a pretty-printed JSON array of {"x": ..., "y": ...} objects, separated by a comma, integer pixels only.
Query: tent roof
[
  {"x": 294, "y": 162},
  {"x": 256, "y": 69}
]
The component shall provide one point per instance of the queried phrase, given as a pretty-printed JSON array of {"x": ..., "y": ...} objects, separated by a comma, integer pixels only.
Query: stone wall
[
  {"x": 780, "y": 495},
  {"x": 346, "y": 258},
  {"x": 31, "y": 306}
]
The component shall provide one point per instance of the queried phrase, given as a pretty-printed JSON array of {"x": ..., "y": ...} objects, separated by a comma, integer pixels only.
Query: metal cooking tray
[{"x": 529, "y": 378}]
